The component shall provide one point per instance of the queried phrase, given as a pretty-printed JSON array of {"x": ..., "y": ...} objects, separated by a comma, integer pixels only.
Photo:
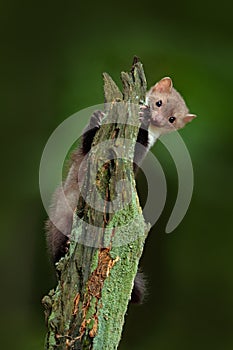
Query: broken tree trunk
[{"x": 87, "y": 309}]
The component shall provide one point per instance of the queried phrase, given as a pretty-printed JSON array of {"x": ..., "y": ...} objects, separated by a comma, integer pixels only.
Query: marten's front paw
[
  {"x": 90, "y": 131},
  {"x": 96, "y": 119},
  {"x": 145, "y": 115}
]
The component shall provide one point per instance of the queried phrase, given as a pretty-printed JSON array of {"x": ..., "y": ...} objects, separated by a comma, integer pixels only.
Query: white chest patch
[{"x": 153, "y": 136}]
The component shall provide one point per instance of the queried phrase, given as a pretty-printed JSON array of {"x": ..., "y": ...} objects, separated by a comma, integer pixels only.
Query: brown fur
[{"x": 64, "y": 202}]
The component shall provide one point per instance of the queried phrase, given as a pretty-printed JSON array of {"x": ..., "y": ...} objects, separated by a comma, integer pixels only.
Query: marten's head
[{"x": 168, "y": 109}]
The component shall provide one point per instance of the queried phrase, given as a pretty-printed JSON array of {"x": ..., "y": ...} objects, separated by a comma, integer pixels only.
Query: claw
[
  {"x": 67, "y": 246},
  {"x": 144, "y": 107}
]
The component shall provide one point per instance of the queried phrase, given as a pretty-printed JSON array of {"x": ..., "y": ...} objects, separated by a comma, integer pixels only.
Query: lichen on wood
[{"x": 88, "y": 306}]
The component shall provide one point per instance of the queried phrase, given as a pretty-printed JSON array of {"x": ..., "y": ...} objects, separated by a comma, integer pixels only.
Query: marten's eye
[
  {"x": 172, "y": 119},
  {"x": 159, "y": 103}
]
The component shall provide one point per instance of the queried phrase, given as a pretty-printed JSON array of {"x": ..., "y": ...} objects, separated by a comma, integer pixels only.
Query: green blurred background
[{"x": 52, "y": 57}]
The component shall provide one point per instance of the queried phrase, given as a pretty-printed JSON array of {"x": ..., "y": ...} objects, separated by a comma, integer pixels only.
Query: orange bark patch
[
  {"x": 76, "y": 301},
  {"x": 93, "y": 331},
  {"x": 95, "y": 285},
  {"x": 102, "y": 271}
]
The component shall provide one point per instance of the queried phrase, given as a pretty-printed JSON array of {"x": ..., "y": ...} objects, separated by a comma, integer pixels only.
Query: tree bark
[{"x": 88, "y": 306}]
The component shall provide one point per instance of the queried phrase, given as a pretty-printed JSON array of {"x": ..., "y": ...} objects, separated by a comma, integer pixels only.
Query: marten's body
[{"x": 165, "y": 111}]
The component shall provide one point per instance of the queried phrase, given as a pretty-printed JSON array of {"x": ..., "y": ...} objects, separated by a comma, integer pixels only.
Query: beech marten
[{"x": 164, "y": 111}]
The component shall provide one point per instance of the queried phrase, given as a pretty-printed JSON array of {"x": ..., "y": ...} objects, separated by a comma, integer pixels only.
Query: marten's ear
[
  {"x": 188, "y": 118},
  {"x": 163, "y": 86}
]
